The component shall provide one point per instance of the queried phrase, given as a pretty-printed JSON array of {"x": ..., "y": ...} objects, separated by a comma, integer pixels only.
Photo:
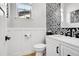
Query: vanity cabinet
[
  {"x": 67, "y": 51},
  {"x": 61, "y": 46},
  {"x": 53, "y": 47}
]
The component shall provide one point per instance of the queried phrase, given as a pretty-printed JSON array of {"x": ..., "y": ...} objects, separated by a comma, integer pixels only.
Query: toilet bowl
[{"x": 39, "y": 48}]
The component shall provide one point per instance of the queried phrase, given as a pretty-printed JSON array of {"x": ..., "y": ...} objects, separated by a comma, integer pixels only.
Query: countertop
[{"x": 66, "y": 39}]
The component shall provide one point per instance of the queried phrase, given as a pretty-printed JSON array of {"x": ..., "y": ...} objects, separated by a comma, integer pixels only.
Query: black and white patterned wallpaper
[
  {"x": 53, "y": 17},
  {"x": 53, "y": 22}
]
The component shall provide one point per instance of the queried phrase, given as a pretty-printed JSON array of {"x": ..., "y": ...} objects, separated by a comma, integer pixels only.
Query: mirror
[
  {"x": 23, "y": 10},
  {"x": 74, "y": 16},
  {"x": 69, "y": 15}
]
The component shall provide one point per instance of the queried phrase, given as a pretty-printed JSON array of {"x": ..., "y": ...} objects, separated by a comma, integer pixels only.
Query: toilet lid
[{"x": 39, "y": 46}]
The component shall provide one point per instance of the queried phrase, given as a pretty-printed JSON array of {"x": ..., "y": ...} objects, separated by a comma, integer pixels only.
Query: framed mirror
[
  {"x": 69, "y": 15},
  {"x": 23, "y": 10},
  {"x": 74, "y": 16}
]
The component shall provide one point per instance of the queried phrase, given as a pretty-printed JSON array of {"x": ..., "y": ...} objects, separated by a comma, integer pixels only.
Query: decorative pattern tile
[
  {"x": 53, "y": 16},
  {"x": 53, "y": 21}
]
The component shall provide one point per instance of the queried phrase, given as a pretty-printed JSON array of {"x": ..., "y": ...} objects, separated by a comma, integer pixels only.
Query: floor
[
  {"x": 34, "y": 53},
  {"x": 31, "y": 54}
]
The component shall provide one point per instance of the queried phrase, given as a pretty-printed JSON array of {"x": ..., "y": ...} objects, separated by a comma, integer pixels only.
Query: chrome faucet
[{"x": 75, "y": 33}]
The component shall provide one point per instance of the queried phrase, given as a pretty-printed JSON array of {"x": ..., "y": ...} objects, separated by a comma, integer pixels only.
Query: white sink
[{"x": 65, "y": 39}]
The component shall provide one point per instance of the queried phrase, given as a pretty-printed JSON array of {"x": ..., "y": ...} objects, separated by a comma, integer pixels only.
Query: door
[
  {"x": 3, "y": 29},
  {"x": 53, "y": 47},
  {"x": 3, "y": 47}
]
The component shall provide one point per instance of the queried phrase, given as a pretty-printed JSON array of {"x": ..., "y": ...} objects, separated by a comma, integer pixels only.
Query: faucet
[{"x": 75, "y": 33}]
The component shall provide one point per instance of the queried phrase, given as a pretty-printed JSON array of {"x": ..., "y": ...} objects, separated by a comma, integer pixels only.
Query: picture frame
[
  {"x": 74, "y": 16},
  {"x": 68, "y": 19}
]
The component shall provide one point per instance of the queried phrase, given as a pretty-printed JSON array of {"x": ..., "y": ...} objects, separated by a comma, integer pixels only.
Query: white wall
[
  {"x": 38, "y": 18},
  {"x": 19, "y": 44}
]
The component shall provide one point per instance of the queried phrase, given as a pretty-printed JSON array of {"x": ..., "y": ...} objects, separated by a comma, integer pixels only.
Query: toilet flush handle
[{"x": 7, "y": 38}]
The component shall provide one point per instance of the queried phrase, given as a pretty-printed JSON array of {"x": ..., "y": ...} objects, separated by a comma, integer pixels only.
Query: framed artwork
[
  {"x": 69, "y": 15},
  {"x": 74, "y": 16}
]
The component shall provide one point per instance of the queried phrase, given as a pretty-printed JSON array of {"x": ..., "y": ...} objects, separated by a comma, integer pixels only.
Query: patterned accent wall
[
  {"x": 53, "y": 22},
  {"x": 72, "y": 32},
  {"x": 53, "y": 16}
]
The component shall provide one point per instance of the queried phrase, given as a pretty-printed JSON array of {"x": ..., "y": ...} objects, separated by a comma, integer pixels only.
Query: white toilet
[{"x": 39, "y": 48}]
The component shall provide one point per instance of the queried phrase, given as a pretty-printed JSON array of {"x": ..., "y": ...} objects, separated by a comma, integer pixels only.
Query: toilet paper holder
[{"x": 27, "y": 35}]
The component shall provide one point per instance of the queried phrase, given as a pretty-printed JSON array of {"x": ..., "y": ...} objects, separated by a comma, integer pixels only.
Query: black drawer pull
[
  {"x": 57, "y": 49},
  {"x": 68, "y": 55}
]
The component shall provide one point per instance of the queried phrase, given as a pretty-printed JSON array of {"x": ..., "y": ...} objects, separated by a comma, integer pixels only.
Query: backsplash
[
  {"x": 72, "y": 32},
  {"x": 53, "y": 22}
]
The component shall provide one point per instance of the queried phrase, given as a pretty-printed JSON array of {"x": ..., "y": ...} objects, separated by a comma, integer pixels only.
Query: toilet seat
[{"x": 39, "y": 46}]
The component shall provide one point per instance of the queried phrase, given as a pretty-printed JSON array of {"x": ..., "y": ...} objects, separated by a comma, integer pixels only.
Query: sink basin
[{"x": 65, "y": 39}]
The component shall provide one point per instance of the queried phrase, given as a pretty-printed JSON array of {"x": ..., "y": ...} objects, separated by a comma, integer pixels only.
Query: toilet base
[{"x": 39, "y": 53}]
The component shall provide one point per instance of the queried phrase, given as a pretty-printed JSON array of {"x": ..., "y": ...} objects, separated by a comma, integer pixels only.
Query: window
[{"x": 23, "y": 10}]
